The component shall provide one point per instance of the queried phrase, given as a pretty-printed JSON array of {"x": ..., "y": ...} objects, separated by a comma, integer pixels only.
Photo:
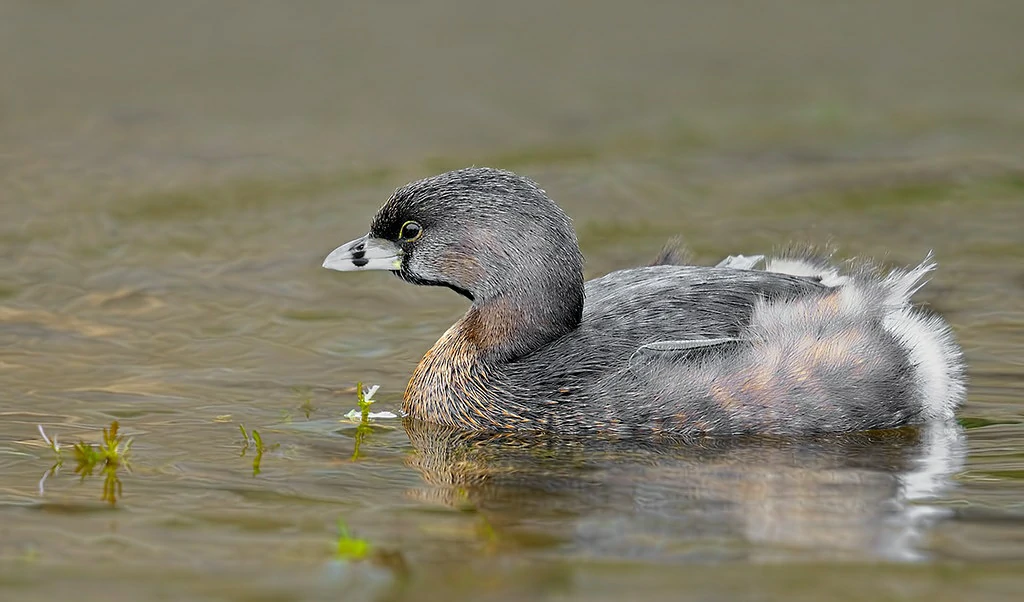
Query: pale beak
[{"x": 365, "y": 253}]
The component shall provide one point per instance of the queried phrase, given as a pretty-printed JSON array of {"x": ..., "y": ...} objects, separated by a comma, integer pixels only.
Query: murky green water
[{"x": 172, "y": 174}]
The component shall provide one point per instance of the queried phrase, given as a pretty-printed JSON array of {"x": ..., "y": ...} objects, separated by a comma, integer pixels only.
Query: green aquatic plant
[
  {"x": 364, "y": 399},
  {"x": 109, "y": 455},
  {"x": 350, "y": 548},
  {"x": 253, "y": 440},
  {"x": 113, "y": 489},
  {"x": 111, "y": 451},
  {"x": 363, "y": 416},
  {"x": 362, "y": 430}
]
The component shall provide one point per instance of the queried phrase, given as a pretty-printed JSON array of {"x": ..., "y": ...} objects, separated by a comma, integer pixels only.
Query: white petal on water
[{"x": 357, "y": 415}]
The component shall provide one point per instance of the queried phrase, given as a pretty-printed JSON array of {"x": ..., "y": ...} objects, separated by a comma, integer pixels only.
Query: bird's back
[
  {"x": 698, "y": 351},
  {"x": 627, "y": 309}
]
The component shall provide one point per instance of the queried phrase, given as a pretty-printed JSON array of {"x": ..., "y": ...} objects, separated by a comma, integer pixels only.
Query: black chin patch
[{"x": 405, "y": 275}]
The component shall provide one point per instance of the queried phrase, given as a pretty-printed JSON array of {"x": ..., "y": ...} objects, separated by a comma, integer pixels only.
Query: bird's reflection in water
[{"x": 855, "y": 496}]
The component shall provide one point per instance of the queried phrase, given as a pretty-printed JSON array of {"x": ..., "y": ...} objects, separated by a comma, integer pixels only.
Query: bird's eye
[{"x": 410, "y": 231}]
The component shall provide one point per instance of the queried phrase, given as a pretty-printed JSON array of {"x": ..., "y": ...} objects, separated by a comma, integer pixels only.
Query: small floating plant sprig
[
  {"x": 364, "y": 398},
  {"x": 110, "y": 454},
  {"x": 255, "y": 441},
  {"x": 112, "y": 450},
  {"x": 362, "y": 416},
  {"x": 349, "y": 549}
]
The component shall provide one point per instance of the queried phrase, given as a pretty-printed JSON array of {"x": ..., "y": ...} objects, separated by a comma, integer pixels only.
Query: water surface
[{"x": 171, "y": 176}]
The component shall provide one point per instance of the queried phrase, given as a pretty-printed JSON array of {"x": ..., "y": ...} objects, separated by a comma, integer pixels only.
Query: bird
[{"x": 787, "y": 344}]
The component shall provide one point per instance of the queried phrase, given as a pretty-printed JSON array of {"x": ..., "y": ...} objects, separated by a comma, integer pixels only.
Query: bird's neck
[
  {"x": 460, "y": 379},
  {"x": 519, "y": 322},
  {"x": 449, "y": 385}
]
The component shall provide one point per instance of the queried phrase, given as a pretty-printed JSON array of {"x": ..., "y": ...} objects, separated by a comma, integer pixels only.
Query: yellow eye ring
[{"x": 410, "y": 231}]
